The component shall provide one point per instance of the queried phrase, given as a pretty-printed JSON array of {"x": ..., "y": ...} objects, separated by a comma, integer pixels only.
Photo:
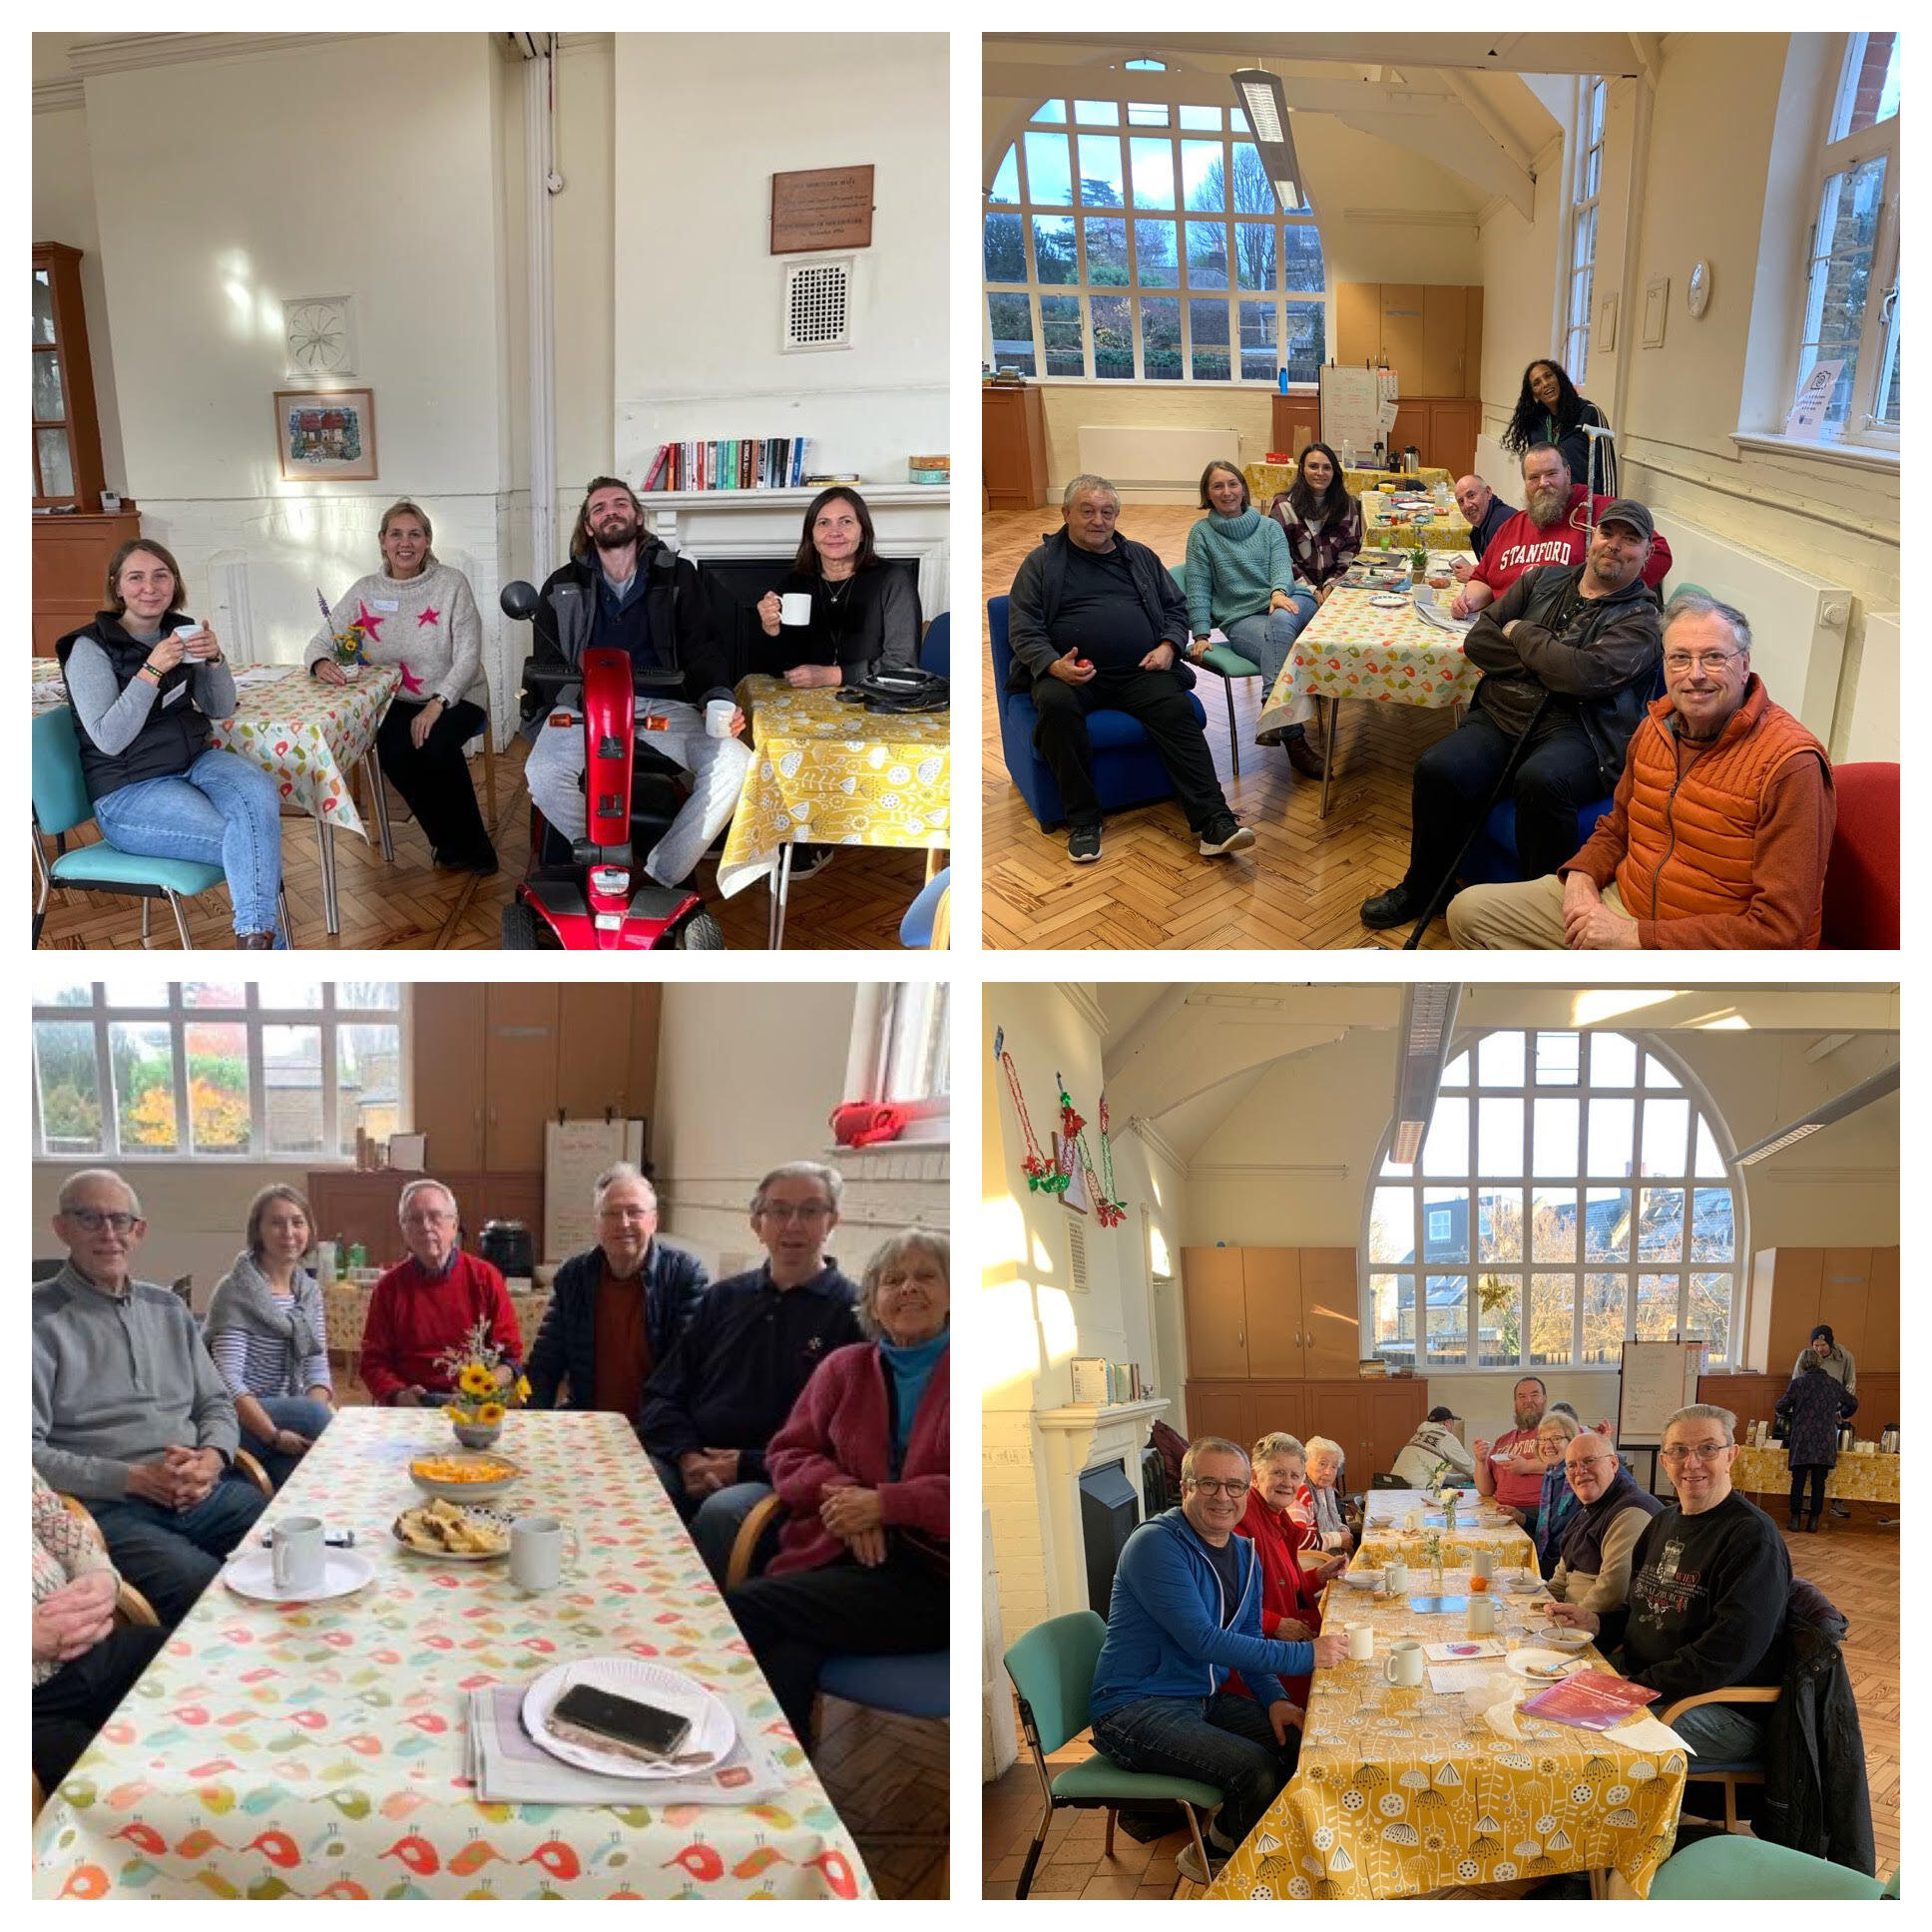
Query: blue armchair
[{"x": 1126, "y": 770}]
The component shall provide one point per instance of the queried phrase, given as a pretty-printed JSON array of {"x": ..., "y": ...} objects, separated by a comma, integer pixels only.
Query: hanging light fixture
[
  {"x": 1266, "y": 108},
  {"x": 1838, "y": 1108}
]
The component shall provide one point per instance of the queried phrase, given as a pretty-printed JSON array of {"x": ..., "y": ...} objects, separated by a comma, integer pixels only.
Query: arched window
[
  {"x": 1140, "y": 241},
  {"x": 1572, "y": 1194}
]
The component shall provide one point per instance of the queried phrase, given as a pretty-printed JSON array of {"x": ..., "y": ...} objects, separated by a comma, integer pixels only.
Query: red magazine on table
[{"x": 1589, "y": 1699}]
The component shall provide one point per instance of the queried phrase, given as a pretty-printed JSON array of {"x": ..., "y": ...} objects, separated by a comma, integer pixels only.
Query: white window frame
[
  {"x": 1593, "y": 119},
  {"x": 1878, "y": 334},
  {"x": 880, "y": 1020},
  {"x": 1234, "y": 131},
  {"x": 104, "y": 1011},
  {"x": 1472, "y": 1184}
]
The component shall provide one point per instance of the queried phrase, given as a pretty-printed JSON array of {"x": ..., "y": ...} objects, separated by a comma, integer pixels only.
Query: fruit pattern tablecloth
[
  {"x": 1352, "y": 650},
  {"x": 319, "y": 1752},
  {"x": 1398, "y": 1791},
  {"x": 1856, "y": 1479},
  {"x": 307, "y": 737},
  {"x": 827, "y": 772}
]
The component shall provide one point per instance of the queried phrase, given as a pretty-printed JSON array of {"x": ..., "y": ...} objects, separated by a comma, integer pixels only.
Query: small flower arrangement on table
[
  {"x": 484, "y": 1388},
  {"x": 348, "y": 643}
]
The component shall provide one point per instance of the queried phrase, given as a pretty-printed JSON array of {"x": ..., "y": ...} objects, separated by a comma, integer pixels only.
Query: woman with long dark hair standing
[
  {"x": 862, "y": 613},
  {"x": 1549, "y": 410}
]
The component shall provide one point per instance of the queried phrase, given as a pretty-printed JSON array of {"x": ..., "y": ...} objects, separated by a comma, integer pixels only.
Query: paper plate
[
  {"x": 343, "y": 1572},
  {"x": 711, "y": 1732},
  {"x": 1545, "y": 1667}
]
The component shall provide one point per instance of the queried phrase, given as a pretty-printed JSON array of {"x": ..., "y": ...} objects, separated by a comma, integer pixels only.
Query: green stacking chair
[
  {"x": 1736, "y": 1867},
  {"x": 1227, "y": 664}
]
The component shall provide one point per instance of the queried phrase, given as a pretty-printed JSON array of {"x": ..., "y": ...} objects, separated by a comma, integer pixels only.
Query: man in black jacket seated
[
  {"x": 1096, "y": 622},
  {"x": 749, "y": 1350},
  {"x": 1710, "y": 1587},
  {"x": 617, "y": 1309},
  {"x": 1588, "y": 640}
]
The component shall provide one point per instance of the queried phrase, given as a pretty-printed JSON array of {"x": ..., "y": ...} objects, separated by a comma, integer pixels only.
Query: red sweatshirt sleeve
[{"x": 380, "y": 1374}]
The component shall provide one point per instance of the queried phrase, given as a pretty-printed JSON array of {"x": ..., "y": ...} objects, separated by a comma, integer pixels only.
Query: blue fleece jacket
[{"x": 1164, "y": 1635}]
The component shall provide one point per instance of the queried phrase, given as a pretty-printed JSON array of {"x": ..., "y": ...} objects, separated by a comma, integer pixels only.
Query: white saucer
[
  {"x": 1530, "y": 1664},
  {"x": 343, "y": 1572},
  {"x": 712, "y": 1733}
]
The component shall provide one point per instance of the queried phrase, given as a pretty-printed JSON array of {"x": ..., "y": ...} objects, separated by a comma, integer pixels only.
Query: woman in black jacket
[
  {"x": 1812, "y": 1406},
  {"x": 862, "y": 613},
  {"x": 1549, "y": 410}
]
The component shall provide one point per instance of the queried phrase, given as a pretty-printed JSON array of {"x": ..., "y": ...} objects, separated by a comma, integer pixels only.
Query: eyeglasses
[
  {"x": 1233, "y": 1486},
  {"x": 1680, "y": 662},
  {"x": 785, "y": 1211},
  {"x": 1704, "y": 1451},
  {"x": 93, "y": 1219}
]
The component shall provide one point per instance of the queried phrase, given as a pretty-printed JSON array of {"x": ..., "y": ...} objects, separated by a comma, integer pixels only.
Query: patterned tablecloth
[
  {"x": 274, "y": 1752},
  {"x": 1266, "y": 480},
  {"x": 1445, "y": 529},
  {"x": 1856, "y": 1479},
  {"x": 306, "y": 735},
  {"x": 1386, "y": 1533},
  {"x": 1352, "y": 650},
  {"x": 1398, "y": 1791},
  {"x": 833, "y": 774}
]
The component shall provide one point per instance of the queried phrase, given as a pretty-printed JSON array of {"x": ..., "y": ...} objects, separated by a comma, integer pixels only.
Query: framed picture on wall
[{"x": 325, "y": 435}]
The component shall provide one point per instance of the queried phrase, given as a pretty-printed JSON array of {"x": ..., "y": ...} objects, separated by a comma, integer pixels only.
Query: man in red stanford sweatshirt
[{"x": 429, "y": 1302}]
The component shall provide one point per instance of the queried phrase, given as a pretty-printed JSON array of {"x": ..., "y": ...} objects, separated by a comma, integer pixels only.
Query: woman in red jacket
[
  {"x": 1279, "y": 1522},
  {"x": 863, "y": 1468}
]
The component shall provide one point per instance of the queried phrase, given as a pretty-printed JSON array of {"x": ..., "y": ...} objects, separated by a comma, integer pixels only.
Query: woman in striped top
[{"x": 266, "y": 1331}]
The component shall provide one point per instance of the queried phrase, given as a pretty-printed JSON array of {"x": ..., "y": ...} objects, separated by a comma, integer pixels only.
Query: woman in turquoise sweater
[{"x": 1240, "y": 579}]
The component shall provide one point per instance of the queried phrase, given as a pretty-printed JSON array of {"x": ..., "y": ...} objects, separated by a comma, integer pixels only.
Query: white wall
[{"x": 700, "y": 130}]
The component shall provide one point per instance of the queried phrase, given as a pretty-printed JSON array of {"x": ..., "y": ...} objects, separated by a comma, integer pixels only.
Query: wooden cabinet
[
  {"x": 352, "y": 1207},
  {"x": 1443, "y": 430},
  {"x": 1270, "y": 1313},
  {"x": 1215, "y": 1307},
  {"x": 1371, "y": 1419},
  {"x": 521, "y": 1023},
  {"x": 1013, "y": 447},
  {"x": 1853, "y": 1290},
  {"x": 1431, "y": 334},
  {"x": 1331, "y": 1321},
  {"x": 1295, "y": 420},
  {"x": 66, "y": 425},
  {"x": 1879, "y": 1356},
  {"x": 71, "y": 559},
  {"x": 448, "y": 1050},
  {"x": 1222, "y": 1409},
  {"x": 1752, "y": 1398}
]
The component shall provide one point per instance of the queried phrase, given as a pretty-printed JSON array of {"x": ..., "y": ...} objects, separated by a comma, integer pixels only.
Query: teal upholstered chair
[
  {"x": 1051, "y": 1668},
  {"x": 1227, "y": 664},
  {"x": 1734, "y": 1867},
  {"x": 61, "y": 803}
]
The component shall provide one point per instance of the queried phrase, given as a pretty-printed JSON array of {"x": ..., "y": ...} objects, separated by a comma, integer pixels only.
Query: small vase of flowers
[
  {"x": 347, "y": 644},
  {"x": 484, "y": 1387}
]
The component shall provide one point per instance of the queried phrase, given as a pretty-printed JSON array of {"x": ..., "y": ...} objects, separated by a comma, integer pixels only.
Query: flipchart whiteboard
[
  {"x": 1357, "y": 407},
  {"x": 1659, "y": 1378}
]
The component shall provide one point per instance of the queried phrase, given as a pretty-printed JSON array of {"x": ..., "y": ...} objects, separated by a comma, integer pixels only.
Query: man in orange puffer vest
[{"x": 1721, "y": 826}]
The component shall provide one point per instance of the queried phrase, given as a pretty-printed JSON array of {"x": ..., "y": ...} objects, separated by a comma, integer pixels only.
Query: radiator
[
  {"x": 1148, "y": 458},
  {"x": 1872, "y": 730}
]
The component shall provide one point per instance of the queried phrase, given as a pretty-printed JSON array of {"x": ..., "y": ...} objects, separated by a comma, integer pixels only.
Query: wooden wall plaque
[{"x": 821, "y": 208}]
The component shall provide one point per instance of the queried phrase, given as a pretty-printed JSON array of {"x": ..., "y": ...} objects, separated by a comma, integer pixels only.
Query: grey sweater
[
  {"x": 118, "y": 1380},
  {"x": 114, "y": 716}
]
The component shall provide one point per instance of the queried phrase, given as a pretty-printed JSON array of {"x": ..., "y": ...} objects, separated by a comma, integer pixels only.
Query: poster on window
[{"x": 1807, "y": 419}]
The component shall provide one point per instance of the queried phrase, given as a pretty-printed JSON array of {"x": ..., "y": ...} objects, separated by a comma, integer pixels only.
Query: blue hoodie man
[{"x": 1186, "y": 1613}]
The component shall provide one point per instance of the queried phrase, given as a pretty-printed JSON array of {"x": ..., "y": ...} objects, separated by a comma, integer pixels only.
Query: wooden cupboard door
[
  {"x": 1336, "y": 1410},
  {"x": 1472, "y": 341},
  {"x": 446, "y": 1069},
  {"x": 1215, "y": 1311},
  {"x": 1274, "y": 1408},
  {"x": 521, "y": 1070},
  {"x": 1402, "y": 334},
  {"x": 1220, "y": 1409},
  {"x": 1796, "y": 1273},
  {"x": 1331, "y": 1326},
  {"x": 1359, "y": 324},
  {"x": 641, "y": 1081},
  {"x": 1271, "y": 1284},
  {"x": 1394, "y": 1411},
  {"x": 1844, "y": 1289},
  {"x": 593, "y": 1049},
  {"x": 1880, "y": 1352},
  {"x": 1453, "y": 427},
  {"x": 1411, "y": 426},
  {"x": 1441, "y": 374},
  {"x": 1294, "y": 421}
]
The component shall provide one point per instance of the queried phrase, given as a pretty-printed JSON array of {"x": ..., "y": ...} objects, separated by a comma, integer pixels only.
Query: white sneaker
[{"x": 1187, "y": 1863}]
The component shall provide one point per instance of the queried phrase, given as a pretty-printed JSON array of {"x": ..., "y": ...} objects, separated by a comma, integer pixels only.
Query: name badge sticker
[{"x": 387, "y": 603}]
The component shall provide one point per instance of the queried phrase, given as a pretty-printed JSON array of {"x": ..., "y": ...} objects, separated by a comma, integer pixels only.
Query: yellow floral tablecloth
[
  {"x": 1266, "y": 480},
  {"x": 1856, "y": 1479},
  {"x": 306, "y": 735},
  {"x": 1512, "y": 1546},
  {"x": 1445, "y": 529},
  {"x": 1399, "y": 1793},
  {"x": 832, "y": 774},
  {"x": 1352, "y": 650},
  {"x": 319, "y": 1751}
]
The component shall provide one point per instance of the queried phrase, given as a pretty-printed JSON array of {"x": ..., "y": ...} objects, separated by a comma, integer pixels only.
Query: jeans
[
  {"x": 1455, "y": 776},
  {"x": 1226, "y": 1740},
  {"x": 222, "y": 810},
  {"x": 434, "y": 778},
  {"x": 555, "y": 774},
  {"x": 1267, "y": 636},
  {"x": 1160, "y": 702},
  {"x": 714, "y": 1520},
  {"x": 83, "y": 1694},
  {"x": 301, "y": 1413},
  {"x": 172, "y": 1556},
  {"x": 1725, "y": 1733}
]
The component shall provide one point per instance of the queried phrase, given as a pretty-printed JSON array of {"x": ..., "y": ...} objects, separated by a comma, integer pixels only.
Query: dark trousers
[
  {"x": 794, "y": 1622},
  {"x": 434, "y": 778},
  {"x": 82, "y": 1695},
  {"x": 1455, "y": 776},
  {"x": 1161, "y": 704},
  {"x": 1223, "y": 1741},
  {"x": 1818, "y": 1472}
]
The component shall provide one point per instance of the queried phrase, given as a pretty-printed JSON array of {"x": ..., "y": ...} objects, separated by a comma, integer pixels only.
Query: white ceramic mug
[
  {"x": 794, "y": 606},
  {"x": 1482, "y": 1615},
  {"x": 1395, "y": 1578},
  {"x": 717, "y": 717},
  {"x": 1414, "y": 1521},
  {"x": 1403, "y": 1665},
  {"x": 1482, "y": 1562},
  {"x": 1361, "y": 1642},
  {"x": 298, "y": 1552},
  {"x": 537, "y": 1552}
]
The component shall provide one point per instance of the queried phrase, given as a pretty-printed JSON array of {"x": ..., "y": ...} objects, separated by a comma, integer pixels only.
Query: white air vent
[
  {"x": 1077, "y": 1257},
  {"x": 818, "y": 305}
]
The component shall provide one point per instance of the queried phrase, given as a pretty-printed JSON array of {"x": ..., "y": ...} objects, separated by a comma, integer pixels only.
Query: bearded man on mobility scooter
[{"x": 623, "y": 592}]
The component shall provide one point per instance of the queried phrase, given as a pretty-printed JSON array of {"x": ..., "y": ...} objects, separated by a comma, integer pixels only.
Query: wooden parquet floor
[
  {"x": 854, "y": 903},
  {"x": 1855, "y": 1562},
  {"x": 1301, "y": 884}
]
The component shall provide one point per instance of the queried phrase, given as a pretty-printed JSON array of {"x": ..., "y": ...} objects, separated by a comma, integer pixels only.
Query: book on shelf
[{"x": 735, "y": 463}]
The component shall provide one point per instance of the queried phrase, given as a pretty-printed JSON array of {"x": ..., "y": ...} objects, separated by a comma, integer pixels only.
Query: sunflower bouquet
[
  {"x": 347, "y": 642},
  {"x": 483, "y": 1386}
]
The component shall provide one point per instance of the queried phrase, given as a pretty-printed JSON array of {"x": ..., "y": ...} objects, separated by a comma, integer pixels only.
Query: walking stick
[{"x": 1439, "y": 898}]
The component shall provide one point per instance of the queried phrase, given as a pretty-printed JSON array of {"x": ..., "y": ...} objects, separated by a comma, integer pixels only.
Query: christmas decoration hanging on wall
[
  {"x": 1043, "y": 1176},
  {"x": 1108, "y": 1204}
]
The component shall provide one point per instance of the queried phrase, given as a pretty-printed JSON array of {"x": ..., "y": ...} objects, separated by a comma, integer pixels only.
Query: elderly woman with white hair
[
  {"x": 863, "y": 1469},
  {"x": 1325, "y": 1472}
]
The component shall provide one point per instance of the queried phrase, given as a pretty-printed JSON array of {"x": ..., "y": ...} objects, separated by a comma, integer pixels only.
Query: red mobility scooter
[{"x": 600, "y": 899}]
